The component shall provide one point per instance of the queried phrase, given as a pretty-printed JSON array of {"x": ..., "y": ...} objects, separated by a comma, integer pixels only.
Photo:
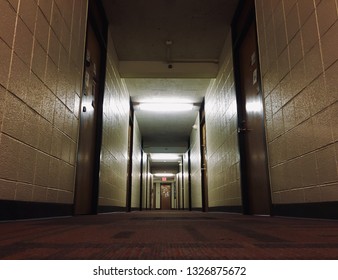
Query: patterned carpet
[{"x": 169, "y": 235}]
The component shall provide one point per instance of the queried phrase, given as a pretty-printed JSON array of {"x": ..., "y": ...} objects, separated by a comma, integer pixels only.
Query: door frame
[
  {"x": 130, "y": 158},
  {"x": 154, "y": 194},
  {"x": 97, "y": 19},
  {"x": 243, "y": 19},
  {"x": 182, "y": 185},
  {"x": 189, "y": 180},
  {"x": 204, "y": 161},
  {"x": 141, "y": 175}
]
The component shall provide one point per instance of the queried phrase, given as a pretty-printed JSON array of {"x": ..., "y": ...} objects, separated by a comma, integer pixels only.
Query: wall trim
[
  {"x": 15, "y": 210},
  {"x": 232, "y": 209},
  {"x": 196, "y": 209},
  {"x": 106, "y": 209},
  {"x": 318, "y": 210}
]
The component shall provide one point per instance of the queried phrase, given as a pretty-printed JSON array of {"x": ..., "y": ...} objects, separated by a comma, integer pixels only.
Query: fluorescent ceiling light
[
  {"x": 166, "y": 107},
  {"x": 165, "y": 157},
  {"x": 164, "y": 174}
]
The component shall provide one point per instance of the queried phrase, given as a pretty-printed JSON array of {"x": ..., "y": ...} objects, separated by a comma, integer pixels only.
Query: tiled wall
[
  {"x": 41, "y": 57},
  {"x": 186, "y": 180},
  {"x": 195, "y": 158},
  {"x": 145, "y": 180},
  {"x": 222, "y": 144},
  {"x": 179, "y": 188},
  {"x": 114, "y": 150},
  {"x": 298, "y": 42},
  {"x": 147, "y": 183},
  {"x": 158, "y": 195},
  {"x": 136, "y": 171}
]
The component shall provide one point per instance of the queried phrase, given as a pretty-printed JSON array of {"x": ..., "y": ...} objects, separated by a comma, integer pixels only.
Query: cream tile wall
[
  {"x": 179, "y": 188},
  {"x": 298, "y": 42},
  {"x": 222, "y": 143},
  {"x": 186, "y": 180},
  {"x": 114, "y": 150},
  {"x": 41, "y": 57},
  {"x": 152, "y": 191},
  {"x": 136, "y": 171},
  {"x": 195, "y": 159},
  {"x": 145, "y": 181}
]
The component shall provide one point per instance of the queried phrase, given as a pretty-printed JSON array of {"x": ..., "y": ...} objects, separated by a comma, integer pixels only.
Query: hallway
[
  {"x": 92, "y": 168},
  {"x": 175, "y": 235}
]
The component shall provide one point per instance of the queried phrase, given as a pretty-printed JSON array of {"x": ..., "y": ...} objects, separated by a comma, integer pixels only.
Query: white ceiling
[{"x": 197, "y": 30}]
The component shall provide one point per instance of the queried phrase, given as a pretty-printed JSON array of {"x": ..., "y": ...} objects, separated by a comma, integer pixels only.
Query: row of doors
[{"x": 251, "y": 134}]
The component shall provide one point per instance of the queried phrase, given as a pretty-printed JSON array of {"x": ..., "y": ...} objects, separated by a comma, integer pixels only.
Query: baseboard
[
  {"x": 320, "y": 210},
  {"x": 16, "y": 210},
  {"x": 108, "y": 209},
  {"x": 231, "y": 209},
  {"x": 196, "y": 209}
]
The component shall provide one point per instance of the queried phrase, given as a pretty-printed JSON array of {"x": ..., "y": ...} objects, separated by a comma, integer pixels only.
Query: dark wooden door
[
  {"x": 204, "y": 167},
  {"x": 85, "y": 193},
  {"x": 165, "y": 197},
  {"x": 130, "y": 163},
  {"x": 256, "y": 190}
]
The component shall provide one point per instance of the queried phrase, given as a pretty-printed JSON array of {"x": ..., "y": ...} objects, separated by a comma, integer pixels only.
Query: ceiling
[{"x": 168, "y": 49}]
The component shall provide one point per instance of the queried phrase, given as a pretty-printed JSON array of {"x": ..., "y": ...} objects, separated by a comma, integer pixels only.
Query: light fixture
[
  {"x": 164, "y": 174},
  {"x": 166, "y": 107},
  {"x": 164, "y": 157}
]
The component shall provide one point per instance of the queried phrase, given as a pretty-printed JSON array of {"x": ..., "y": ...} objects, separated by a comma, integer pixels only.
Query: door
[
  {"x": 165, "y": 197},
  {"x": 254, "y": 170},
  {"x": 85, "y": 193},
  {"x": 130, "y": 163},
  {"x": 204, "y": 165}
]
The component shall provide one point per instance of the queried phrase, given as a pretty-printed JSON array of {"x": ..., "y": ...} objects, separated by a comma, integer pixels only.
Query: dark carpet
[{"x": 169, "y": 235}]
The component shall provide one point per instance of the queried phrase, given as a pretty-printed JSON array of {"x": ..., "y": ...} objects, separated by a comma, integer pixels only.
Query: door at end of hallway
[{"x": 165, "y": 197}]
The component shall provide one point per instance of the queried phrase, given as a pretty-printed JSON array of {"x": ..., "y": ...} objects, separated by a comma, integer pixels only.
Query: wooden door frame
[
  {"x": 189, "y": 179},
  {"x": 183, "y": 185},
  {"x": 97, "y": 19},
  {"x": 130, "y": 160},
  {"x": 141, "y": 175},
  {"x": 154, "y": 197},
  {"x": 150, "y": 183},
  {"x": 204, "y": 168},
  {"x": 243, "y": 19}
]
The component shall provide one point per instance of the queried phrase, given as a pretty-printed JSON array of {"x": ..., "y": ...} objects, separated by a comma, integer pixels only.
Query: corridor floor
[{"x": 169, "y": 235}]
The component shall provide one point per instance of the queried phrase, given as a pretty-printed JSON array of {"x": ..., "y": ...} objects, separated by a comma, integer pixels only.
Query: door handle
[{"x": 239, "y": 130}]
